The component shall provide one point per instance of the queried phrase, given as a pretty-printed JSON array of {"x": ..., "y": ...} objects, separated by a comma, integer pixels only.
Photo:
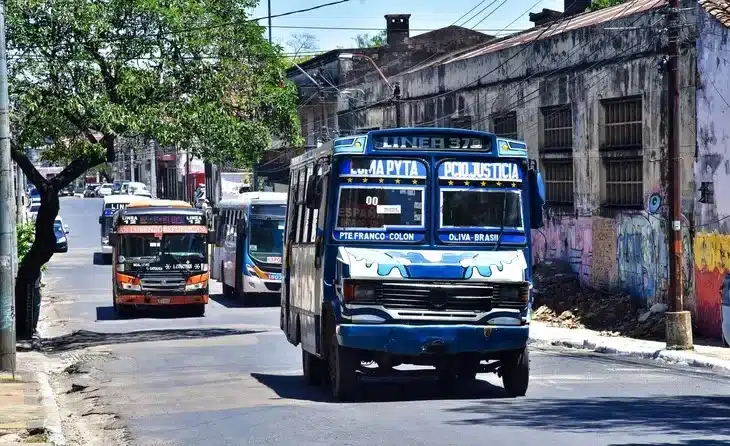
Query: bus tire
[
  {"x": 311, "y": 368},
  {"x": 516, "y": 373},
  {"x": 197, "y": 310},
  {"x": 342, "y": 371},
  {"x": 106, "y": 259}
]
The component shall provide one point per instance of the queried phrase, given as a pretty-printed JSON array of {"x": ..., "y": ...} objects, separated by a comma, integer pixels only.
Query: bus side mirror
[
  {"x": 537, "y": 199},
  {"x": 112, "y": 238},
  {"x": 211, "y": 237},
  {"x": 101, "y": 220},
  {"x": 312, "y": 194},
  {"x": 241, "y": 229}
]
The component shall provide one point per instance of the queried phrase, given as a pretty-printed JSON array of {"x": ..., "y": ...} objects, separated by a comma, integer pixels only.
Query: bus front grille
[
  {"x": 153, "y": 284},
  {"x": 449, "y": 296}
]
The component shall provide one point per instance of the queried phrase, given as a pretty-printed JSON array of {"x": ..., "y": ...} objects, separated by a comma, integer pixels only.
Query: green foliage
[
  {"x": 26, "y": 236},
  {"x": 25, "y": 233},
  {"x": 600, "y": 4},
  {"x": 366, "y": 41},
  {"x": 192, "y": 73}
]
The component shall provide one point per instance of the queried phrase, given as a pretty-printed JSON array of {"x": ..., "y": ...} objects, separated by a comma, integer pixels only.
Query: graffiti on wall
[
  {"x": 629, "y": 252},
  {"x": 711, "y": 265}
]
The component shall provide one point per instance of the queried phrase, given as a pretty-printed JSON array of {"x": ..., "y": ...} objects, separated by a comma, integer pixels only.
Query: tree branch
[
  {"x": 74, "y": 170},
  {"x": 22, "y": 160}
]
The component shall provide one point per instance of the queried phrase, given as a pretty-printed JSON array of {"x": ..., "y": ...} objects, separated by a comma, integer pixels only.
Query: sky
[{"x": 367, "y": 16}]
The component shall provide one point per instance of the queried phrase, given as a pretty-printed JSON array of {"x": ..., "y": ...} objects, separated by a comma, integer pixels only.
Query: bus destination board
[{"x": 163, "y": 219}]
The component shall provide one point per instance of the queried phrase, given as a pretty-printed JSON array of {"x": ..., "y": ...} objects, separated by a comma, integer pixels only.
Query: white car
[
  {"x": 139, "y": 189},
  {"x": 104, "y": 190},
  {"x": 32, "y": 210}
]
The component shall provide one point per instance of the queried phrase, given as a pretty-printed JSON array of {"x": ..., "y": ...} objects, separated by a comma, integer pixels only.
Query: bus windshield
[
  {"x": 266, "y": 239},
  {"x": 381, "y": 194},
  {"x": 170, "y": 251}
]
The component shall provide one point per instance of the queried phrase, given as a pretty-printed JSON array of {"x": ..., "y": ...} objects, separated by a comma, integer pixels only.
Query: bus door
[
  {"x": 292, "y": 216},
  {"x": 316, "y": 200},
  {"x": 241, "y": 244}
]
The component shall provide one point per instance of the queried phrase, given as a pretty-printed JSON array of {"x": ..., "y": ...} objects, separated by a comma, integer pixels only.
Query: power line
[{"x": 354, "y": 28}]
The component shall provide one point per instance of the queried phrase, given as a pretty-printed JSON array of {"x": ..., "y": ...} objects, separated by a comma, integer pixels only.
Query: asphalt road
[{"x": 231, "y": 378}]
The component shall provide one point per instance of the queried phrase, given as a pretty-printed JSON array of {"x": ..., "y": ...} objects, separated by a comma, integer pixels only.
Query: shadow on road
[
  {"x": 84, "y": 339},
  {"x": 666, "y": 415},
  {"x": 258, "y": 301},
  {"x": 405, "y": 387},
  {"x": 699, "y": 442},
  {"x": 99, "y": 259},
  {"x": 171, "y": 312}
]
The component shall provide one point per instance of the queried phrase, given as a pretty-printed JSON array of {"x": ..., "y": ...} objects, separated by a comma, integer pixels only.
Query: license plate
[{"x": 163, "y": 301}]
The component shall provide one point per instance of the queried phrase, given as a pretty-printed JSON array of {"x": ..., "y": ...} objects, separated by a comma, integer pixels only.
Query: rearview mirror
[
  {"x": 537, "y": 198},
  {"x": 112, "y": 238},
  {"x": 65, "y": 228},
  {"x": 211, "y": 236},
  {"x": 241, "y": 228},
  {"x": 101, "y": 220}
]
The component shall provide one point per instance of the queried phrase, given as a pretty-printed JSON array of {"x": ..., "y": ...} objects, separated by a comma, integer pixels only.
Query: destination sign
[
  {"x": 470, "y": 170},
  {"x": 364, "y": 167},
  {"x": 480, "y": 237},
  {"x": 110, "y": 208},
  {"x": 432, "y": 143},
  {"x": 391, "y": 236},
  {"x": 162, "y": 219}
]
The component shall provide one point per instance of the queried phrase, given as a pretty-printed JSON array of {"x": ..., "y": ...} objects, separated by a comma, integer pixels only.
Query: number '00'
[{"x": 371, "y": 201}]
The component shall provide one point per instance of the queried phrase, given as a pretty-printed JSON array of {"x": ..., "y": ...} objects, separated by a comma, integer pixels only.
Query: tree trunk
[{"x": 27, "y": 301}]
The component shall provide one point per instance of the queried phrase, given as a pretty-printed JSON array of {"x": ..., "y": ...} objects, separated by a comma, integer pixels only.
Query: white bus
[
  {"x": 250, "y": 243},
  {"x": 112, "y": 203}
]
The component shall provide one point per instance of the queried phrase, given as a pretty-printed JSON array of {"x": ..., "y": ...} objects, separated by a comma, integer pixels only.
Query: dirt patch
[{"x": 561, "y": 301}]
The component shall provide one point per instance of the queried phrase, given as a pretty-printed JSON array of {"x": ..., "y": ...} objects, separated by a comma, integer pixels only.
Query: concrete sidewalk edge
[
  {"x": 624, "y": 347},
  {"x": 52, "y": 422}
]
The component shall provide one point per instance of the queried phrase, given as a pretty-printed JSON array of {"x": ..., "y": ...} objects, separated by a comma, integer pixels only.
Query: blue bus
[
  {"x": 248, "y": 251},
  {"x": 411, "y": 246}
]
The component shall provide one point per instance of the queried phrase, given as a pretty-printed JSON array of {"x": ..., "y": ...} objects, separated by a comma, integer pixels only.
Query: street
[{"x": 232, "y": 378}]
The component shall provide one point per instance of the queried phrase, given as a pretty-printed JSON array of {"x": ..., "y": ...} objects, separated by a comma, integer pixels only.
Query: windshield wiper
[{"x": 501, "y": 226}]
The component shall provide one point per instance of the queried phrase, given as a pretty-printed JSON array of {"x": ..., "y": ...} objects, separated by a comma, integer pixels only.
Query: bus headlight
[
  {"x": 358, "y": 291},
  {"x": 131, "y": 286},
  {"x": 105, "y": 240},
  {"x": 195, "y": 286},
  {"x": 197, "y": 282}
]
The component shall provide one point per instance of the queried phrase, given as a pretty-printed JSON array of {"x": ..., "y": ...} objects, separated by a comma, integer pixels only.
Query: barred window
[
  {"x": 505, "y": 125},
  {"x": 623, "y": 166},
  {"x": 557, "y": 128},
  {"x": 558, "y": 175}
]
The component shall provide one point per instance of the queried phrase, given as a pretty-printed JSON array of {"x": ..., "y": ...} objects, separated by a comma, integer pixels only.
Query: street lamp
[{"x": 395, "y": 89}]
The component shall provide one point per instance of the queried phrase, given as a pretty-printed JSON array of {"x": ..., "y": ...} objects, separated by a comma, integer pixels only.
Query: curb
[
  {"x": 692, "y": 359},
  {"x": 52, "y": 422}
]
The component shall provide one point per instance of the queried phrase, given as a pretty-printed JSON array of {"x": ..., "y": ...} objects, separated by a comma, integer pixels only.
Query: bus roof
[
  {"x": 146, "y": 203},
  {"x": 402, "y": 141},
  {"x": 113, "y": 199},
  {"x": 255, "y": 197}
]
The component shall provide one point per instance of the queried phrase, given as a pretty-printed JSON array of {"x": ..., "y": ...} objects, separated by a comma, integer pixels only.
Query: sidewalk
[
  {"x": 28, "y": 412},
  {"x": 717, "y": 358}
]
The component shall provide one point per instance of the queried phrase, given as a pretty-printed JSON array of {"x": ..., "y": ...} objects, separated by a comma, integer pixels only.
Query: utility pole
[
  {"x": 19, "y": 192},
  {"x": 7, "y": 219},
  {"x": 325, "y": 126},
  {"x": 131, "y": 164},
  {"x": 269, "y": 21},
  {"x": 153, "y": 167},
  {"x": 678, "y": 322}
]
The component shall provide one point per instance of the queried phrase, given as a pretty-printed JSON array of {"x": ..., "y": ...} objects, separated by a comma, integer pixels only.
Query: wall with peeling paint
[
  {"x": 712, "y": 171},
  {"x": 617, "y": 250}
]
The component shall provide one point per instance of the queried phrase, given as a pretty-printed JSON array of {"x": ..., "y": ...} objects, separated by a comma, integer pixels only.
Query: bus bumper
[
  {"x": 136, "y": 299},
  {"x": 255, "y": 285},
  {"x": 413, "y": 340}
]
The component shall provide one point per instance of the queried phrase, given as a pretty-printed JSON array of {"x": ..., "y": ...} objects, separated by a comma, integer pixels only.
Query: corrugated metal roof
[
  {"x": 575, "y": 22},
  {"x": 719, "y": 9}
]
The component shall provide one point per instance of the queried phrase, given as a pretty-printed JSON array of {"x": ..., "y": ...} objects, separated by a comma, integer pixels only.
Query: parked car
[
  {"x": 79, "y": 191},
  {"x": 104, "y": 190},
  {"x": 67, "y": 191},
  {"x": 61, "y": 230},
  {"x": 90, "y": 190},
  {"x": 139, "y": 189},
  {"x": 32, "y": 209},
  {"x": 117, "y": 186}
]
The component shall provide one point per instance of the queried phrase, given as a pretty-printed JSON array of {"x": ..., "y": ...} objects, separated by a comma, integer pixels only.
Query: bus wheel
[
  {"x": 343, "y": 371},
  {"x": 311, "y": 368},
  {"x": 197, "y": 310},
  {"x": 515, "y": 372}
]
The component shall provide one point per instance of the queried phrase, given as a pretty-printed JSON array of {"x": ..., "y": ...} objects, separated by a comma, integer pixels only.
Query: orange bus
[{"x": 160, "y": 256}]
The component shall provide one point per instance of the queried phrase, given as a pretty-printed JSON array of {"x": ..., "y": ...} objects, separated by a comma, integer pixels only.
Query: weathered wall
[
  {"x": 624, "y": 250},
  {"x": 712, "y": 170}
]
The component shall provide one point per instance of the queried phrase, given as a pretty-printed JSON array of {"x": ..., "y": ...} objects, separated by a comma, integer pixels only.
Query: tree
[
  {"x": 85, "y": 73},
  {"x": 600, "y": 4},
  {"x": 302, "y": 46},
  {"x": 366, "y": 41}
]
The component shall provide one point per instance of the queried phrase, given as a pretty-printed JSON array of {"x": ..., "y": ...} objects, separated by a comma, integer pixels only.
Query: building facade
[{"x": 588, "y": 93}]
